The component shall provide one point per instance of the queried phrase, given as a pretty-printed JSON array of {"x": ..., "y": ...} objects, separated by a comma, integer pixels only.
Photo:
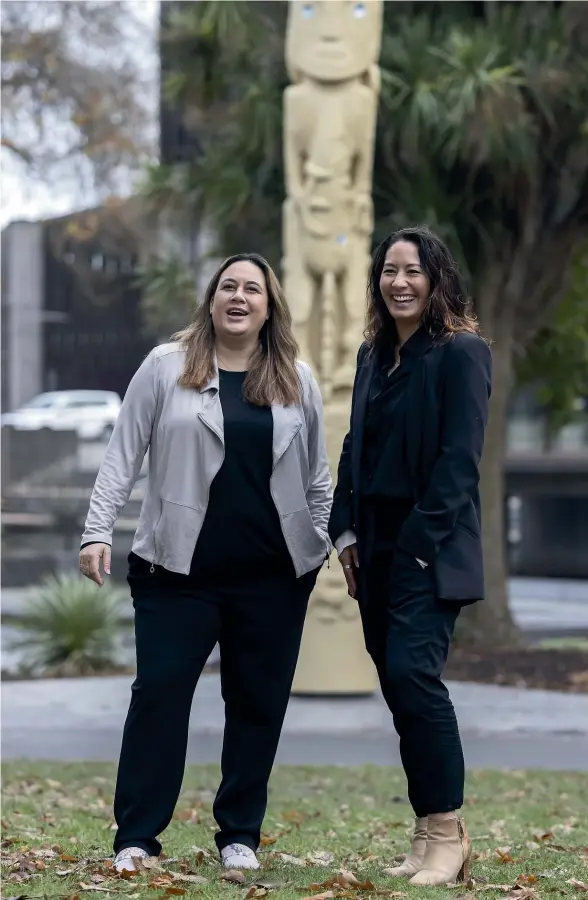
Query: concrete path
[{"x": 81, "y": 719}]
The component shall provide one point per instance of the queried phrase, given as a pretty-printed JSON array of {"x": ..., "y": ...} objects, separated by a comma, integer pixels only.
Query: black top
[
  {"x": 241, "y": 531},
  {"x": 385, "y": 471}
]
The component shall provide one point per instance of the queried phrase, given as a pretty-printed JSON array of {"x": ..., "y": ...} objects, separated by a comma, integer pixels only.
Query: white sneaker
[
  {"x": 123, "y": 861},
  {"x": 238, "y": 856}
]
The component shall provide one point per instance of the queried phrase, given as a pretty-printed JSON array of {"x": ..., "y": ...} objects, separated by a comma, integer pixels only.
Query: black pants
[
  {"x": 258, "y": 625},
  {"x": 408, "y": 633}
]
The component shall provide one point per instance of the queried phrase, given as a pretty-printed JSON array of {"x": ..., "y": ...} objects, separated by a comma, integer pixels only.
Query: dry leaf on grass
[
  {"x": 235, "y": 876},
  {"x": 524, "y": 893},
  {"x": 346, "y": 879},
  {"x": 287, "y": 858},
  {"x": 581, "y": 886},
  {"x": 189, "y": 816},
  {"x": 95, "y": 887},
  {"x": 267, "y": 841},
  {"x": 293, "y": 816},
  {"x": 200, "y": 855},
  {"x": 326, "y": 895},
  {"x": 189, "y": 879},
  {"x": 255, "y": 892},
  {"x": 322, "y": 858}
]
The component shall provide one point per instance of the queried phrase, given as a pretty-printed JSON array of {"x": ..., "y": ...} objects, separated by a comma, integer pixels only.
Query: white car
[{"x": 91, "y": 414}]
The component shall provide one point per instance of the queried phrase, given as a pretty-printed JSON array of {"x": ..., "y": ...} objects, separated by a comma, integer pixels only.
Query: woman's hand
[
  {"x": 90, "y": 557},
  {"x": 348, "y": 560}
]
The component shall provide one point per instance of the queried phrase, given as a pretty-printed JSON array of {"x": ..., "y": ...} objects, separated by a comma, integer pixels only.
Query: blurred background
[{"x": 142, "y": 141}]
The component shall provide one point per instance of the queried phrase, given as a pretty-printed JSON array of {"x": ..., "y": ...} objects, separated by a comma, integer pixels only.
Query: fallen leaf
[
  {"x": 288, "y": 858},
  {"x": 189, "y": 879},
  {"x": 162, "y": 881},
  {"x": 346, "y": 879},
  {"x": 581, "y": 886},
  {"x": 175, "y": 891},
  {"x": 541, "y": 837},
  {"x": 526, "y": 879},
  {"x": 200, "y": 855},
  {"x": 95, "y": 887},
  {"x": 297, "y": 818},
  {"x": 255, "y": 892},
  {"x": 235, "y": 876},
  {"x": 324, "y": 896},
  {"x": 322, "y": 858},
  {"x": 525, "y": 893},
  {"x": 504, "y": 855},
  {"x": 267, "y": 841}
]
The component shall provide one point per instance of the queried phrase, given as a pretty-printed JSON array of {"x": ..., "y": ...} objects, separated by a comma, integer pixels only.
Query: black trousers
[
  {"x": 178, "y": 620},
  {"x": 408, "y": 633}
]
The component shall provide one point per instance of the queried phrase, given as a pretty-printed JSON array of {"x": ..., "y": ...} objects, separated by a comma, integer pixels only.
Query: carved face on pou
[{"x": 333, "y": 40}]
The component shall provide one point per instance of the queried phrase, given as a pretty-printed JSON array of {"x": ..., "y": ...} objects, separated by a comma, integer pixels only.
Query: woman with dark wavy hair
[
  {"x": 232, "y": 534},
  {"x": 406, "y": 518}
]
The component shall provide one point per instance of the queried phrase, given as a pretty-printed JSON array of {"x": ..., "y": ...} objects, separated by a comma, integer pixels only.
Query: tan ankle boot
[
  {"x": 448, "y": 853},
  {"x": 414, "y": 860}
]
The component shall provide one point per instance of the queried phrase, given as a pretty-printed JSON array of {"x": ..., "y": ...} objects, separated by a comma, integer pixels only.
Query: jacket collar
[
  {"x": 418, "y": 344},
  {"x": 213, "y": 384}
]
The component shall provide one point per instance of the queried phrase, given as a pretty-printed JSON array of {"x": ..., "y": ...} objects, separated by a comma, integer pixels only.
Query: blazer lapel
[
  {"x": 362, "y": 389},
  {"x": 287, "y": 424},
  {"x": 416, "y": 407}
]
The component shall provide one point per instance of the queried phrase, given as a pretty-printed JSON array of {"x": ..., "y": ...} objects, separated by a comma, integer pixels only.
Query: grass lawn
[{"x": 529, "y": 830}]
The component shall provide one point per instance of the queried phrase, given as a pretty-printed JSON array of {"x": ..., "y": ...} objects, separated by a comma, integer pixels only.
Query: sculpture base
[{"x": 333, "y": 659}]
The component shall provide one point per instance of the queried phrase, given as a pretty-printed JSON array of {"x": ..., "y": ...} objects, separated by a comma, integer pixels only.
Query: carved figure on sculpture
[{"x": 330, "y": 109}]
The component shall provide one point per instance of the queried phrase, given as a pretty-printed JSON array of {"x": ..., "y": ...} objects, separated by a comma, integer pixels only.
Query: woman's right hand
[
  {"x": 350, "y": 564},
  {"x": 90, "y": 557}
]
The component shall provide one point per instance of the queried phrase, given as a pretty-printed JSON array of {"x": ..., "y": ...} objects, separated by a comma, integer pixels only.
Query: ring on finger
[{"x": 347, "y": 566}]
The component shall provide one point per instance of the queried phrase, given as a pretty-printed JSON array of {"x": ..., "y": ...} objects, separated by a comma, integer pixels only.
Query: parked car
[{"x": 91, "y": 414}]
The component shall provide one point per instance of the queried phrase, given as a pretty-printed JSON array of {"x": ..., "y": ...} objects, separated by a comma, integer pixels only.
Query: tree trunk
[{"x": 490, "y": 622}]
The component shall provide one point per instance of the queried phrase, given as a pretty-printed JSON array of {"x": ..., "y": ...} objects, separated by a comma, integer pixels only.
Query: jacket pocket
[
  {"x": 306, "y": 542},
  {"x": 459, "y": 566}
]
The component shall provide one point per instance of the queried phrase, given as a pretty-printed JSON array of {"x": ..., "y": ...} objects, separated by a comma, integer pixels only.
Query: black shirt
[
  {"x": 241, "y": 531},
  {"x": 384, "y": 465},
  {"x": 385, "y": 471}
]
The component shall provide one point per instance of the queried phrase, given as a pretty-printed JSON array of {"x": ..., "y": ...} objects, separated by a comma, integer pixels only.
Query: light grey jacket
[{"x": 183, "y": 430}]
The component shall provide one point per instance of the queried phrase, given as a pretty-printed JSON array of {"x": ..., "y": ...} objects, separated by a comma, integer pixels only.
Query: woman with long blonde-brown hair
[
  {"x": 406, "y": 518},
  {"x": 232, "y": 534}
]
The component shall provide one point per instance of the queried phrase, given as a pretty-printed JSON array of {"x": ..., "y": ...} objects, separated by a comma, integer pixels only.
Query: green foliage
[
  {"x": 168, "y": 296},
  {"x": 70, "y": 626},
  {"x": 481, "y": 133},
  {"x": 558, "y": 359}
]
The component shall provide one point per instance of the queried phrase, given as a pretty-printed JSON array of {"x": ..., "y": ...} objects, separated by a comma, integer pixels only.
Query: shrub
[{"x": 70, "y": 626}]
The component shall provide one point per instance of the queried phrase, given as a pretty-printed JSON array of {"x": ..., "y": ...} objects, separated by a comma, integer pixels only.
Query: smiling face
[
  {"x": 404, "y": 285},
  {"x": 240, "y": 308}
]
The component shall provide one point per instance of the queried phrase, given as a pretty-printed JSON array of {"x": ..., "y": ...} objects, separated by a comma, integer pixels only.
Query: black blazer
[{"x": 448, "y": 396}]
